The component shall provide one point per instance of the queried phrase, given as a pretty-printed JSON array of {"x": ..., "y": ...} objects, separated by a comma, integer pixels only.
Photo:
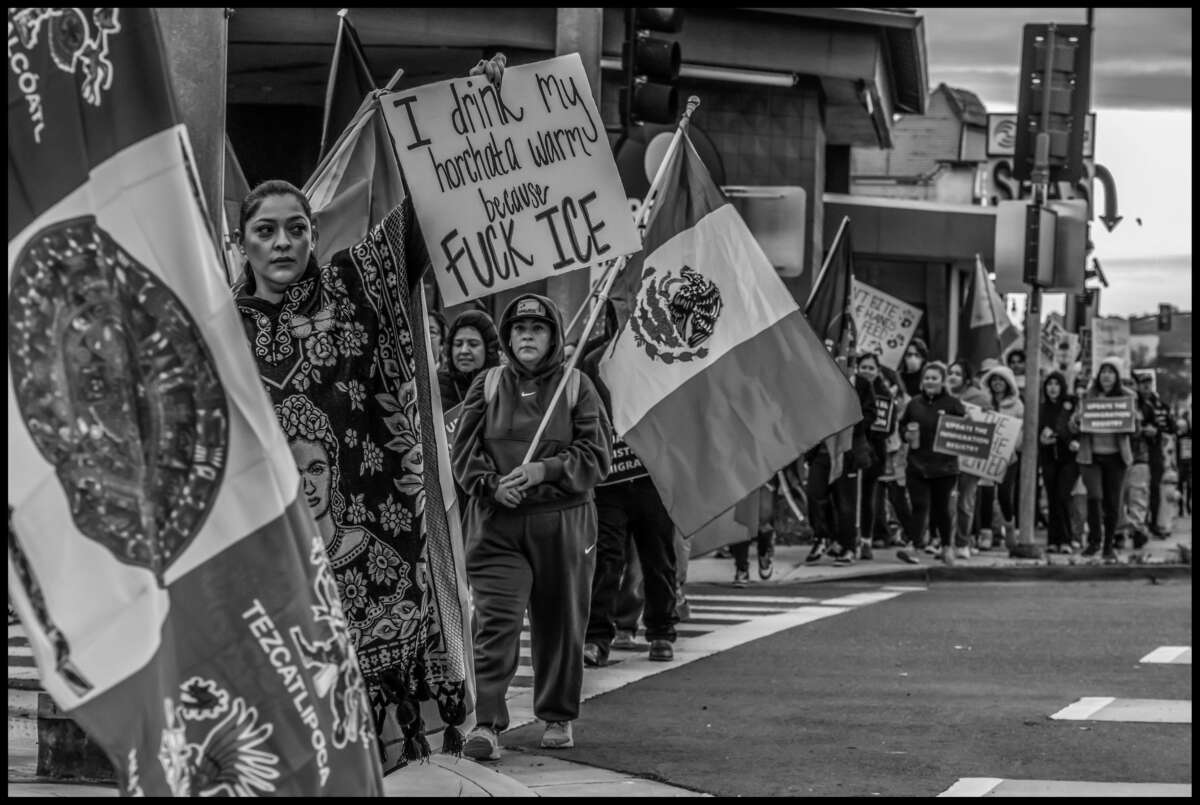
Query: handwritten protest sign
[
  {"x": 1110, "y": 337},
  {"x": 960, "y": 436},
  {"x": 884, "y": 324},
  {"x": 1106, "y": 415},
  {"x": 510, "y": 185},
  {"x": 1004, "y": 444}
]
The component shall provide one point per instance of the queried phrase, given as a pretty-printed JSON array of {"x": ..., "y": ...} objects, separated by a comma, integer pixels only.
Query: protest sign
[
  {"x": 883, "y": 323},
  {"x": 451, "y": 418},
  {"x": 1110, "y": 337},
  {"x": 959, "y": 436},
  {"x": 1106, "y": 415},
  {"x": 885, "y": 415},
  {"x": 1059, "y": 348},
  {"x": 510, "y": 185},
  {"x": 1185, "y": 448},
  {"x": 1004, "y": 444}
]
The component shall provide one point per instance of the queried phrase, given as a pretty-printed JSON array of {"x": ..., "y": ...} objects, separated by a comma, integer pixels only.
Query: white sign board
[
  {"x": 511, "y": 185},
  {"x": 1110, "y": 336},
  {"x": 1002, "y": 135},
  {"x": 1004, "y": 444},
  {"x": 1059, "y": 348},
  {"x": 884, "y": 324}
]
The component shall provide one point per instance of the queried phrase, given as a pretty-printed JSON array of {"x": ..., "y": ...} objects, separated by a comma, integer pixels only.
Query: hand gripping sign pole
[{"x": 611, "y": 274}]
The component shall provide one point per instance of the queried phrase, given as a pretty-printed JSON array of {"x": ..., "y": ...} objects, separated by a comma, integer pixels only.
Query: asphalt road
[{"x": 904, "y": 697}]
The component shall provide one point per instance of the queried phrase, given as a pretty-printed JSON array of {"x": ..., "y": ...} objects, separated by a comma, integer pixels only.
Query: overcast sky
[{"x": 1141, "y": 93}]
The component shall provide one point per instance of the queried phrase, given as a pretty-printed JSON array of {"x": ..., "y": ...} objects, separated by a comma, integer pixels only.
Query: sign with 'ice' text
[
  {"x": 1004, "y": 444},
  {"x": 1106, "y": 415},
  {"x": 883, "y": 324},
  {"x": 960, "y": 436},
  {"x": 511, "y": 184}
]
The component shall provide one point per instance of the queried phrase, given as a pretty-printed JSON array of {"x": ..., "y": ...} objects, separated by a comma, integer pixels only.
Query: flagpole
[
  {"x": 693, "y": 103},
  {"x": 833, "y": 247}
]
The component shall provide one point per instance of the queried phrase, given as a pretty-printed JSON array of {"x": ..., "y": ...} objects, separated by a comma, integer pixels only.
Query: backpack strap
[
  {"x": 572, "y": 389},
  {"x": 491, "y": 382}
]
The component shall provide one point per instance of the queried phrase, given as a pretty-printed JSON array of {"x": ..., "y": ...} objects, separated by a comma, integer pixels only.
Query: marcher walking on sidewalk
[
  {"x": 1000, "y": 382},
  {"x": 630, "y": 511},
  {"x": 532, "y": 527},
  {"x": 960, "y": 382},
  {"x": 1059, "y": 469},
  {"x": 1103, "y": 460},
  {"x": 1156, "y": 430},
  {"x": 1183, "y": 458},
  {"x": 930, "y": 476},
  {"x": 882, "y": 423},
  {"x": 890, "y": 490}
]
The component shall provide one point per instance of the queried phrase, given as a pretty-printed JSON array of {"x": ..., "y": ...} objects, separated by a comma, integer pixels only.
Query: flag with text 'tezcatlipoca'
[{"x": 170, "y": 578}]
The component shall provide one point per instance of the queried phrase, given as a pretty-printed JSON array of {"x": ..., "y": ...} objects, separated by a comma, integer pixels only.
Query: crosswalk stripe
[
  {"x": 1179, "y": 655},
  {"x": 1104, "y": 708},
  {"x": 766, "y": 599},
  {"x": 702, "y": 608},
  {"x": 998, "y": 787}
]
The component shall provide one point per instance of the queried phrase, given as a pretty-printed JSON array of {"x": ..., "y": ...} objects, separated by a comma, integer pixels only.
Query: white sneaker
[
  {"x": 558, "y": 735},
  {"x": 962, "y": 553},
  {"x": 482, "y": 744}
]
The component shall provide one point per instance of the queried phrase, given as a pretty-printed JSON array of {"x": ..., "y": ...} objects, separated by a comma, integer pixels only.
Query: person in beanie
[
  {"x": 1103, "y": 460},
  {"x": 930, "y": 475},
  {"x": 472, "y": 345},
  {"x": 1001, "y": 383},
  {"x": 531, "y": 527}
]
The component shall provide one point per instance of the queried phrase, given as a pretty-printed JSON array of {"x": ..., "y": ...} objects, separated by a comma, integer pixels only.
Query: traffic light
[
  {"x": 650, "y": 66},
  {"x": 1164, "y": 318},
  {"x": 1063, "y": 75}
]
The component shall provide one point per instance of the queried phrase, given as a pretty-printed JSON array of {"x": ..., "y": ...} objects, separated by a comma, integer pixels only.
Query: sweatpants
[
  {"x": 542, "y": 562},
  {"x": 633, "y": 512},
  {"x": 1103, "y": 478},
  {"x": 931, "y": 504},
  {"x": 1059, "y": 477}
]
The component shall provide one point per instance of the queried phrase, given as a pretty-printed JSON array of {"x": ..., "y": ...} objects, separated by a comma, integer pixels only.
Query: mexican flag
[
  {"x": 169, "y": 576},
  {"x": 717, "y": 379}
]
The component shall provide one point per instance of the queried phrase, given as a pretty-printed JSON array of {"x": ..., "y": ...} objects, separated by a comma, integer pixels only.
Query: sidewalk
[{"x": 1160, "y": 558}]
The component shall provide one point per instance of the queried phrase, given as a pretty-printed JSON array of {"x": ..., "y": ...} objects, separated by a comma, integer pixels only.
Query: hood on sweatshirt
[
  {"x": 1006, "y": 374},
  {"x": 1064, "y": 389},
  {"x": 533, "y": 306},
  {"x": 486, "y": 328}
]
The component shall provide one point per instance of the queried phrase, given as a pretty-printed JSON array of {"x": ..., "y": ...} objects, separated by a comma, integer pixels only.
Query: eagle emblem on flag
[{"x": 675, "y": 314}]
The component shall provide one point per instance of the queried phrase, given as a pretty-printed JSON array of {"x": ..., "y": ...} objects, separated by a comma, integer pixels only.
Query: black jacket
[{"x": 925, "y": 412}]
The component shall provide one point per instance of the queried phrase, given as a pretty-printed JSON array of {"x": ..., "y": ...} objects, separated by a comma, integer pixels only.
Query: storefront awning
[{"x": 914, "y": 230}]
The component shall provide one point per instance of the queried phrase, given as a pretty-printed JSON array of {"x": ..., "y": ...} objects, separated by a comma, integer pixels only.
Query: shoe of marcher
[
  {"x": 626, "y": 641},
  {"x": 844, "y": 559},
  {"x": 741, "y": 576},
  {"x": 1140, "y": 538},
  {"x": 765, "y": 566},
  {"x": 818, "y": 550},
  {"x": 1091, "y": 550},
  {"x": 482, "y": 744},
  {"x": 1109, "y": 556},
  {"x": 592, "y": 657},
  {"x": 865, "y": 551},
  {"x": 558, "y": 735},
  {"x": 907, "y": 555},
  {"x": 933, "y": 548},
  {"x": 985, "y": 539},
  {"x": 661, "y": 651},
  {"x": 962, "y": 553}
]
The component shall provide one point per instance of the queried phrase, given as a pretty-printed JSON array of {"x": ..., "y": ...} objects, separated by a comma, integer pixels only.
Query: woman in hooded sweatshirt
[
  {"x": 960, "y": 382},
  {"x": 1057, "y": 460},
  {"x": 1103, "y": 459},
  {"x": 930, "y": 475},
  {"x": 531, "y": 527},
  {"x": 472, "y": 345},
  {"x": 1001, "y": 384}
]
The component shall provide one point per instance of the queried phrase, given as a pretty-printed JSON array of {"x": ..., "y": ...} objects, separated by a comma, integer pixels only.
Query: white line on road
[
  {"x": 708, "y": 611},
  {"x": 997, "y": 787},
  {"x": 1157, "y": 711},
  {"x": 1083, "y": 709},
  {"x": 1181, "y": 655},
  {"x": 862, "y": 599},
  {"x": 755, "y": 599}
]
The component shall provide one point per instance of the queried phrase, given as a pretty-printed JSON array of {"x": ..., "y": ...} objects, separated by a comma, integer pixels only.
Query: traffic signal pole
[{"x": 1025, "y": 547}]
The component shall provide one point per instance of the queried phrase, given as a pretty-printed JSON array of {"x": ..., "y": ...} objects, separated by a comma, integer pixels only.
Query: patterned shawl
[{"x": 352, "y": 393}]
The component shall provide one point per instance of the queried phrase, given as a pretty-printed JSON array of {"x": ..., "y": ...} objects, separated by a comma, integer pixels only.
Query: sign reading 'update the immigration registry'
[
  {"x": 1107, "y": 415},
  {"x": 510, "y": 185}
]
